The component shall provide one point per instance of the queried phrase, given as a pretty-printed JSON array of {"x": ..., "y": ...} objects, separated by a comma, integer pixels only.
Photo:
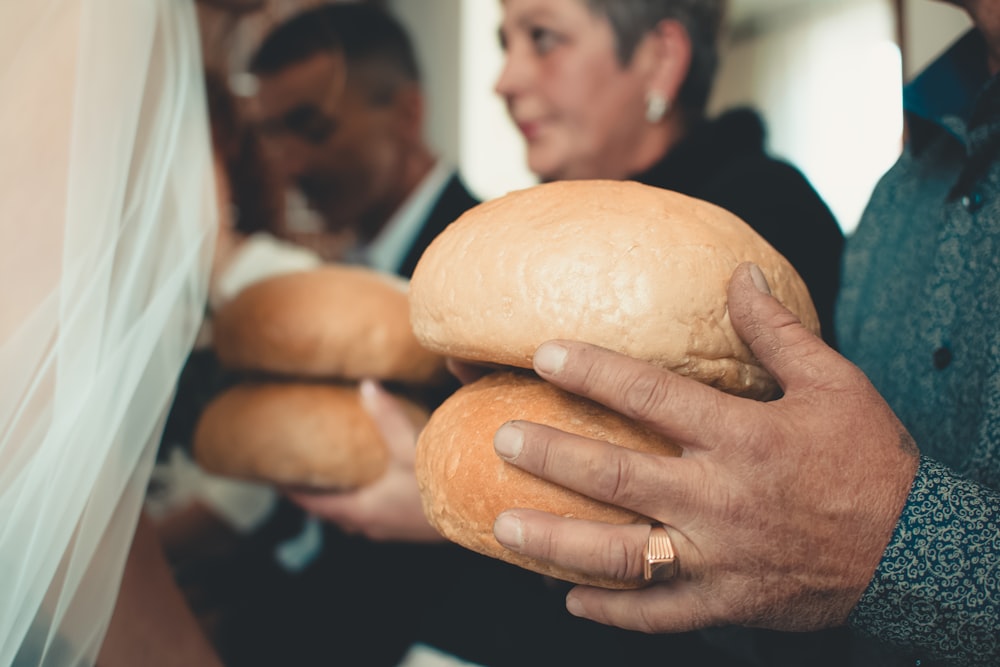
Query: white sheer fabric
[{"x": 107, "y": 221}]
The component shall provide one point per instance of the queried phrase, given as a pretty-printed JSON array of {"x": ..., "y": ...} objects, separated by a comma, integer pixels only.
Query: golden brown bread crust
[
  {"x": 465, "y": 485},
  {"x": 298, "y": 435},
  {"x": 627, "y": 266},
  {"x": 344, "y": 322}
]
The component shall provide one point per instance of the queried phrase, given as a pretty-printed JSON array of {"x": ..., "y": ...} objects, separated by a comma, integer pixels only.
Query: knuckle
[
  {"x": 546, "y": 544},
  {"x": 546, "y": 451},
  {"x": 623, "y": 559},
  {"x": 614, "y": 477},
  {"x": 623, "y": 475},
  {"x": 643, "y": 396}
]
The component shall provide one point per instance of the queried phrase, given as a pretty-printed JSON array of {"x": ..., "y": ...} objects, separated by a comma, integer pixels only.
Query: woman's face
[{"x": 579, "y": 110}]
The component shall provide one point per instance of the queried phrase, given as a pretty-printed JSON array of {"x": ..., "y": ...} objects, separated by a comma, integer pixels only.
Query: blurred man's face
[{"x": 329, "y": 140}]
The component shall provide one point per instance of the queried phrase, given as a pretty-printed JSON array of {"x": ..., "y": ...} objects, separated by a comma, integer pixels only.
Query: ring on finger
[{"x": 659, "y": 557}]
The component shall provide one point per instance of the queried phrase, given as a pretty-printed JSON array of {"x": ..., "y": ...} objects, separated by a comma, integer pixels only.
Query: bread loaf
[
  {"x": 307, "y": 436},
  {"x": 339, "y": 321},
  {"x": 464, "y": 485},
  {"x": 632, "y": 268}
]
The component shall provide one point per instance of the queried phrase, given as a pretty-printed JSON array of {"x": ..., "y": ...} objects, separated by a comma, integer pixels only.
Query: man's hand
[
  {"x": 390, "y": 508},
  {"x": 779, "y": 511}
]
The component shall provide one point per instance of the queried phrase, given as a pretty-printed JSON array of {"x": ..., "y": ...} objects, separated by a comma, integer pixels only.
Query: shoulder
[
  {"x": 742, "y": 176},
  {"x": 768, "y": 193}
]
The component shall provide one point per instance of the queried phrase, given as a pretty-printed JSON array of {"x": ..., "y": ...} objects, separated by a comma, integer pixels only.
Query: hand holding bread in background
[
  {"x": 389, "y": 508},
  {"x": 303, "y": 341}
]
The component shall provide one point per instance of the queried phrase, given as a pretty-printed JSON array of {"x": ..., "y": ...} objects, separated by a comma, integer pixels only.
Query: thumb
[
  {"x": 785, "y": 348},
  {"x": 397, "y": 430}
]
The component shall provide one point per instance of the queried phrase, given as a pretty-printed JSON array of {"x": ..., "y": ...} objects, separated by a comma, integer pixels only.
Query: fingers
[
  {"x": 333, "y": 507},
  {"x": 789, "y": 351},
  {"x": 673, "y": 606},
  {"x": 398, "y": 432},
  {"x": 589, "y": 547},
  {"x": 637, "y": 481},
  {"x": 685, "y": 411},
  {"x": 613, "y": 552}
]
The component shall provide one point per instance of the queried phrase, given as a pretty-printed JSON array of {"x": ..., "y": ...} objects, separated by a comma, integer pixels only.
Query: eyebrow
[{"x": 528, "y": 20}]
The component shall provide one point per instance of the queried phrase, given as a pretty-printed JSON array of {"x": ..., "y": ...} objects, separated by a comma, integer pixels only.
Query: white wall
[
  {"x": 492, "y": 150},
  {"x": 456, "y": 42},
  {"x": 828, "y": 83},
  {"x": 435, "y": 27},
  {"x": 929, "y": 28}
]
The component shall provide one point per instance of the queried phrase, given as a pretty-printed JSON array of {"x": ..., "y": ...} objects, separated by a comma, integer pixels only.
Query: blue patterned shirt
[{"x": 919, "y": 312}]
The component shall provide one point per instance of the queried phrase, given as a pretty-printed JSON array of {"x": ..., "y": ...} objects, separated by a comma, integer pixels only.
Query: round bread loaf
[
  {"x": 296, "y": 435},
  {"x": 629, "y": 267},
  {"x": 626, "y": 266},
  {"x": 464, "y": 485},
  {"x": 344, "y": 322}
]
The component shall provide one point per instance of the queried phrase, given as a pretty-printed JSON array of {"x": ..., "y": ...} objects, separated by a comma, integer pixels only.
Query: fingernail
[
  {"x": 573, "y": 605},
  {"x": 368, "y": 389},
  {"x": 508, "y": 442},
  {"x": 550, "y": 357},
  {"x": 507, "y": 530},
  {"x": 759, "y": 281}
]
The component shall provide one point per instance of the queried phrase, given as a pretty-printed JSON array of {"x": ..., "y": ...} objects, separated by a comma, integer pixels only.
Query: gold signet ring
[{"x": 659, "y": 555}]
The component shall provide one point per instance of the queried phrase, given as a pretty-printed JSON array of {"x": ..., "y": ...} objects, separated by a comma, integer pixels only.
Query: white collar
[{"x": 387, "y": 251}]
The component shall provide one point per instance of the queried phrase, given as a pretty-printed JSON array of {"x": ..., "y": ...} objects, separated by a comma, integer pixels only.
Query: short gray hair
[{"x": 632, "y": 20}]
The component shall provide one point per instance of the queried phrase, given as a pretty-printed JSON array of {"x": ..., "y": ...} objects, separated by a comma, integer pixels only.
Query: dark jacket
[{"x": 455, "y": 200}]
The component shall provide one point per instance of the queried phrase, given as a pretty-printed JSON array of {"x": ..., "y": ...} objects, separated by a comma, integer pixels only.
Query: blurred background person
[
  {"x": 205, "y": 522},
  {"x": 341, "y": 107},
  {"x": 618, "y": 89}
]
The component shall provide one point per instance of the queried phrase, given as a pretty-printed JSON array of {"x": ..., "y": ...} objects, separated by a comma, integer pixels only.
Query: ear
[{"x": 665, "y": 57}]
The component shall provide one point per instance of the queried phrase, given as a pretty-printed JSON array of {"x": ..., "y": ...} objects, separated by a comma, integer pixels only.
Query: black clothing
[{"x": 455, "y": 200}]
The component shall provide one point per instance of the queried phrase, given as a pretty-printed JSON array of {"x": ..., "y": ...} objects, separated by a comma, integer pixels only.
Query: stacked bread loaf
[
  {"x": 632, "y": 268},
  {"x": 302, "y": 342}
]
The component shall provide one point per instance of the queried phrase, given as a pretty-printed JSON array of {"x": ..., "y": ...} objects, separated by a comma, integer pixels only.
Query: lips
[{"x": 529, "y": 129}]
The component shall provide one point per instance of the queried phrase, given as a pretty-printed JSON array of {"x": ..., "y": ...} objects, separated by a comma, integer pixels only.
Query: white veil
[{"x": 107, "y": 221}]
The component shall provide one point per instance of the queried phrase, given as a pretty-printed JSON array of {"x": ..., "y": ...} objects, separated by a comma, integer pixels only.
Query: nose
[{"x": 515, "y": 74}]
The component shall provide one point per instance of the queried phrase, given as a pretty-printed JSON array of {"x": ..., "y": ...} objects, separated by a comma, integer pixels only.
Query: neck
[{"x": 656, "y": 144}]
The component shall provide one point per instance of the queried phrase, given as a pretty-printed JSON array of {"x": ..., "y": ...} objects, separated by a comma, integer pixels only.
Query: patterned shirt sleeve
[{"x": 937, "y": 588}]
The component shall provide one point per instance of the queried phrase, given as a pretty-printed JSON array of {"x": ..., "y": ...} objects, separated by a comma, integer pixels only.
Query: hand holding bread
[
  {"x": 779, "y": 511},
  {"x": 303, "y": 341},
  {"x": 387, "y": 509},
  {"x": 627, "y": 267}
]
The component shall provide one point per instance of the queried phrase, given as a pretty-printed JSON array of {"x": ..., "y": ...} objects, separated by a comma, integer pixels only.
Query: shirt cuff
[{"x": 937, "y": 588}]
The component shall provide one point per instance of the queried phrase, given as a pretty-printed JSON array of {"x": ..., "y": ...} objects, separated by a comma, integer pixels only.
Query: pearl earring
[{"x": 657, "y": 106}]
